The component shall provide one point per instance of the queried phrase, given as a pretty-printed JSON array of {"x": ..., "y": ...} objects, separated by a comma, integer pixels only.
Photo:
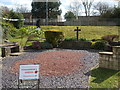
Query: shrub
[
  {"x": 69, "y": 39},
  {"x": 8, "y": 30},
  {"x": 99, "y": 45},
  {"x": 109, "y": 38},
  {"x": 73, "y": 39},
  {"x": 13, "y": 15},
  {"x": 54, "y": 37},
  {"x": 36, "y": 45},
  {"x": 83, "y": 39},
  {"x": 46, "y": 45}
]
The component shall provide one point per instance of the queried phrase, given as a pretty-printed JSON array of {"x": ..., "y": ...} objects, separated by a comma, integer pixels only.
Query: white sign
[{"x": 28, "y": 72}]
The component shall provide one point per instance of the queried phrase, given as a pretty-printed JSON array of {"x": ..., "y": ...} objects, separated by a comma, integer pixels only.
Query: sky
[{"x": 64, "y": 6}]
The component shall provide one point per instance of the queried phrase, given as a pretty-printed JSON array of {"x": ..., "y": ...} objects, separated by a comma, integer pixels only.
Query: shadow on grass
[{"x": 102, "y": 74}]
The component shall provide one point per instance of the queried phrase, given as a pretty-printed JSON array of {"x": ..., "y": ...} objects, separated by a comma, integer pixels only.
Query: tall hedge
[{"x": 54, "y": 37}]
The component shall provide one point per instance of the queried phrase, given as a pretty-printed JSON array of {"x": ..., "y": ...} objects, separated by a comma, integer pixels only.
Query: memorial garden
[
  {"x": 61, "y": 65},
  {"x": 37, "y": 56}
]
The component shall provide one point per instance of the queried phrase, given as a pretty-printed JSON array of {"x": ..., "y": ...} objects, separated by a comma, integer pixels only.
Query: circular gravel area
[
  {"x": 59, "y": 68},
  {"x": 54, "y": 63}
]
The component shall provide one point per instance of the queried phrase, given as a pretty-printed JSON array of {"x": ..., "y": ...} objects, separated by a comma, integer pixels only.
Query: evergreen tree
[
  {"x": 69, "y": 16},
  {"x": 14, "y": 15},
  {"x": 39, "y": 9}
]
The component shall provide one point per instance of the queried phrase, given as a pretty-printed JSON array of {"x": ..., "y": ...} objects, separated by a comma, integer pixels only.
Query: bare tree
[
  {"x": 75, "y": 8},
  {"x": 4, "y": 10},
  {"x": 118, "y": 2},
  {"x": 21, "y": 8},
  {"x": 101, "y": 7},
  {"x": 87, "y": 6}
]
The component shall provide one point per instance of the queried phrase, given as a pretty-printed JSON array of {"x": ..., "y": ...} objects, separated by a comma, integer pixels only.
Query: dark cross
[{"x": 77, "y": 32}]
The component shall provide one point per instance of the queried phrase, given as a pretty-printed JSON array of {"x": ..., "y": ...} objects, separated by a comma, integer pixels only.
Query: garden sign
[{"x": 29, "y": 72}]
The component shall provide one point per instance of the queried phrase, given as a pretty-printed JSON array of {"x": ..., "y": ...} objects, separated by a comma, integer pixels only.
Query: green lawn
[
  {"x": 88, "y": 32},
  {"x": 104, "y": 78}
]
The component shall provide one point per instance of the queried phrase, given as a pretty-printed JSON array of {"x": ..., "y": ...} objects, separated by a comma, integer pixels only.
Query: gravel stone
[{"x": 73, "y": 80}]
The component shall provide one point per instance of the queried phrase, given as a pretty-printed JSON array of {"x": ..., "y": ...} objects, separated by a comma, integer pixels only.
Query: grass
[
  {"x": 104, "y": 78},
  {"x": 88, "y": 32}
]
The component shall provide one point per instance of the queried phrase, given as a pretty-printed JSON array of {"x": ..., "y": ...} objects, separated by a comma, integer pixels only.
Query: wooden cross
[{"x": 77, "y": 32}]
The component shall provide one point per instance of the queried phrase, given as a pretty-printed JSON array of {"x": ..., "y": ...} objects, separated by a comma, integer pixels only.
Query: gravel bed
[{"x": 74, "y": 80}]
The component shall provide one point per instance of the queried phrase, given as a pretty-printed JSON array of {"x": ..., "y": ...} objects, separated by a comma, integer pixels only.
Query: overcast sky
[{"x": 64, "y": 5}]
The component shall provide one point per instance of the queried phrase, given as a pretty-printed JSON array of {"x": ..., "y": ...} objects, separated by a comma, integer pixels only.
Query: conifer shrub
[
  {"x": 46, "y": 45},
  {"x": 99, "y": 45},
  {"x": 54, "y": 37},
  {"x": 14, "y": 15}
]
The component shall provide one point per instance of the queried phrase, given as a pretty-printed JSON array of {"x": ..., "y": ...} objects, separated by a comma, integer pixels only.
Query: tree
[
  {"x": 101, "y": 7},
  {"x": 87, "y": 6},
  {"x": 4, "y": 11},
  {"x": 116, "y": 13},
  {"x": 13, "y": 15},
  {"x": 75, "y": 8},
  {"x": 112, "y": 13},
  {"x": 39, "y": 9},
  {"x": 118, "y": 2},
  {"x": 21, "y": 8},
  {"x": 69, "y": 16},
  {"x": 108, "y": 14}
]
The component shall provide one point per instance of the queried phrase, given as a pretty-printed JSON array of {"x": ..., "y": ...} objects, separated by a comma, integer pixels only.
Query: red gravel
[{"x": 55, "y": 63}]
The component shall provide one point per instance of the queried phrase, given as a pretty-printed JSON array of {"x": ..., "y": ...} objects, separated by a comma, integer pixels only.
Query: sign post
[{"x": 28, "y": 72}]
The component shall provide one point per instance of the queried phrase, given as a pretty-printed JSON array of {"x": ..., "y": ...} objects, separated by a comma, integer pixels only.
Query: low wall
[
  {"x": 7, "y": 50},
  {"x": 110, "y": 60},
  {"x": 75, "y": 44}
]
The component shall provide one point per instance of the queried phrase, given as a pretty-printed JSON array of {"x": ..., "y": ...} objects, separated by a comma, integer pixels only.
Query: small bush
[
  {"x": 110, "y": 38},
  {"x": 73, "y": 39},
  {"x": 13, "y": 15},
  {"x": 99, "y": 45},
  {"x": 8, "y": 30},
  {"x": 46, "y": 45},
  {"x": 69, "y": 39},
  {"x": 54, "y": 37},
  {"x": 36, "y": 45},
  {"x": 83, "y": 39}
]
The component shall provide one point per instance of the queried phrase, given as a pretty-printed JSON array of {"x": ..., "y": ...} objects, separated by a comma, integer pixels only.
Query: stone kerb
[{"x": 110, "y": 60}]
